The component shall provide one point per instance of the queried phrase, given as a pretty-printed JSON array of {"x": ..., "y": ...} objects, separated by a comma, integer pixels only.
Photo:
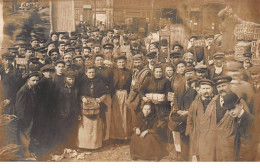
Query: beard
[{"x": 138, "y": 67}]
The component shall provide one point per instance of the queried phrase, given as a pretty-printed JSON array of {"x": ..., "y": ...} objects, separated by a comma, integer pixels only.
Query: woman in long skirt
[
  {"x": 90, "y": 134},
  {"x": 145, "y": 142},
  {"x": 121, "y": 116}
]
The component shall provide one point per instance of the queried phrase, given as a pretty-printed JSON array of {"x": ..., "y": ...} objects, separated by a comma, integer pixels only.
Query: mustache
[{"x": 222, "y": 91}]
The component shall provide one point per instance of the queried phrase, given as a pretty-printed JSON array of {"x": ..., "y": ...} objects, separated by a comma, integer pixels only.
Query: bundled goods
[
  {"x": 245, "y": 32},
  {"x": 240, "y": 48},
  {"x": 9, "y": 152}
]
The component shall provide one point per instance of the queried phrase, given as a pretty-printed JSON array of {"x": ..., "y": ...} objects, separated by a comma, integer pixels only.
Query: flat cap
[
  {"x": 137, "y": 57},
  {"x": 34, "y": 60},
  {"x": 177, "y": 44},
  {"x": 181, "y": 62},
  {"x": 218, "y": 55},
  {"x": 120, "y": 56},
  {"x": 69, "y": 50},
  {"x": 189, "y": 69},
  {"x": 98, "y": 55},
  {"x": 34, "y": 73},
  {"x": 70, "y": 74},
  {"x": 59, "y": 61},
  {"x": 53, "y": 50},
  {"x": 206, "y": 82},
  {"x": 41, "y": 49},
  {"x": 47, "y": 67},
  {"x": 222, "y": 79},
  {"x": 78, "y": 56},
  {"x": 151, "y": 55},
  {"x": 8, "y": 56},
  {"x": 175, "y": 55},
  {"x": 201, "y": 68},
  {"x": 108, "y": 46}
]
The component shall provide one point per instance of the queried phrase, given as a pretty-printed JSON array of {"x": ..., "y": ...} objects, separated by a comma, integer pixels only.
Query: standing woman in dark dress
[
  {"x": 120, "y": 116},
  {"x": 157, "y": 85},
  {"x": 155, "y": 89},
  {"x": 145, "y": 142},
  {"x": 92, "y": 89}
]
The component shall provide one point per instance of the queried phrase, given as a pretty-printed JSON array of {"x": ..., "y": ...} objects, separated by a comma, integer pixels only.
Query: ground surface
[{"x": 112, "y": 152}]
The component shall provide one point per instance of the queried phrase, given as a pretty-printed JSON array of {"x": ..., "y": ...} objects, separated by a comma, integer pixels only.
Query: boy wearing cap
[
  {"x": 196, "y": 112},
  {"x": 66, "y": 114},
  {"x": 25, "y": 109}
]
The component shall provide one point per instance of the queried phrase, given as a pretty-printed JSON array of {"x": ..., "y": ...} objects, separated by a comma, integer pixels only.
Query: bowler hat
[{"x": 230, "y": 100}]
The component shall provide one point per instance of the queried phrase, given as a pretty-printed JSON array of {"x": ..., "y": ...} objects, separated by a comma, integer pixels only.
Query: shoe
[{"x": 33, "y": 157}]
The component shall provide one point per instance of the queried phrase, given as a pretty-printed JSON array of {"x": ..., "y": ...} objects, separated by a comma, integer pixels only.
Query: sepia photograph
[{"x": 163, "y": 81}]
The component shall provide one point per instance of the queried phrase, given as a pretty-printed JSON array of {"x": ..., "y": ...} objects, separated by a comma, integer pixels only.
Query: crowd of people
[{"x": 85, "y": 88}]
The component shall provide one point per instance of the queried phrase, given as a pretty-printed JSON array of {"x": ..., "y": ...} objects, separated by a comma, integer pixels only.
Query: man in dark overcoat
[{"x": 25, "y": 109}]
